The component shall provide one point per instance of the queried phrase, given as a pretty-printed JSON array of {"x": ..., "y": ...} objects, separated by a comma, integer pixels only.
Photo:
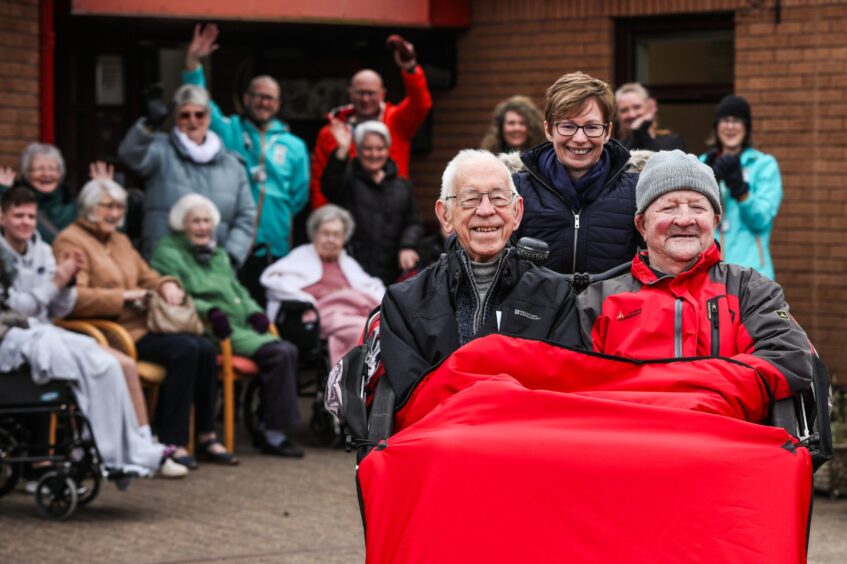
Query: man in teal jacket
[{"x": 277, "y": 161}]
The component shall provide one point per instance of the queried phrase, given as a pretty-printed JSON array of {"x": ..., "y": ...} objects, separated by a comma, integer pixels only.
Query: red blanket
[{"x": 519, "y": 451}]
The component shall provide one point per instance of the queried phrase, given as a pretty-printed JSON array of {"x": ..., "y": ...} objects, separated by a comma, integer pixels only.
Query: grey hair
[
  {"x": 448, "y": 179},
  {"x": 634, "y": 87},
  {"x": 42, "y": 150},
  {"x": 372, "y": 126},
  {"x": 188, "y": 203},
  {"x": 95, "y": 189},
  {"x": 328, "y": 213},
  {"x": 191, "y": 94}
]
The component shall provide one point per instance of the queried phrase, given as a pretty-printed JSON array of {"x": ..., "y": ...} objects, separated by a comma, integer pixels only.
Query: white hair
[
  {"x": 187, "y": 204},
  {"x": 93, "y": 192},
  {"x": 634, "y": 88},
  {"x": 448, "y": 179},
  {"x": 372, "y": 126},
  {"x": 42, "y": 150},
  {"x": 328, "y": 213},
  {"x": 191, "y": 94}
]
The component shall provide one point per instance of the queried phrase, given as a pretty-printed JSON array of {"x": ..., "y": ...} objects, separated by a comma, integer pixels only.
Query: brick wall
[
  {"x": 794, "y": 74},
  {"x": 18, "y": 78}
]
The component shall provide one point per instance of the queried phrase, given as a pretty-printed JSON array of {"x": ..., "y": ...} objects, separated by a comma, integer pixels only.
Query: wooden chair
[{"x": 232, "y": 368}]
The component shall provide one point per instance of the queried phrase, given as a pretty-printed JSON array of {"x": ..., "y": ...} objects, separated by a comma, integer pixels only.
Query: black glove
[
  {"x": 156, "y": 109},
  {"x": 259, "y": 322},
  {"x": 728, "y": 169},
  {"x": 711, "y": 157},
  {"x": 220, "y": 323}
]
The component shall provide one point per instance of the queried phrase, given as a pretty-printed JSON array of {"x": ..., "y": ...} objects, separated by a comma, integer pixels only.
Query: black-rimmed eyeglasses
[{"x": 567, "y": 129}]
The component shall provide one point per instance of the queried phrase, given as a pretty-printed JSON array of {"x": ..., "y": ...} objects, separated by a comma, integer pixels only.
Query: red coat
[
  {"x": 402, "y": 120},
  {"x": 711, "y": 309}
]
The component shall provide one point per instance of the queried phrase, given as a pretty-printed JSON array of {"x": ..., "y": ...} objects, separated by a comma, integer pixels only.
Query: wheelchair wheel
[
  {"x": 87, "y": 485},
  {"x": 9, "y": 471},
  {"x": 56, "y": 496},
  {"x": 251, "y": 407}
]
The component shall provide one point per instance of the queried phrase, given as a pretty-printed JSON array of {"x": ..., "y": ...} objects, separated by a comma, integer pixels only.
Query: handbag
[{"x": 163, "y": 317}]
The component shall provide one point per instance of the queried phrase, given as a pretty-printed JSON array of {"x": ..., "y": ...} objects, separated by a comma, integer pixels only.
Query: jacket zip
[
  {"x": 484, "y": 306},
  {"x": 611, "y": 179},
  {"x": 714, "y": 317},
  {"x": 677, "y": 330}
]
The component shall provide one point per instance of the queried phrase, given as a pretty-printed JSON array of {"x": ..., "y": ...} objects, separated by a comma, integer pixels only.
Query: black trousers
[
  {"x": 278, "y": 372},
  {"x": 190, "y": 362}
]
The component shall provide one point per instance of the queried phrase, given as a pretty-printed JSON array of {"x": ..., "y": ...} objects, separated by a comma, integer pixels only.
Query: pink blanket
[{"x": 343, "y": 316}]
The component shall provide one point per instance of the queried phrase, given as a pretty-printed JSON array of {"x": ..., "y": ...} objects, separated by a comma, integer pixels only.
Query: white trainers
[{"x": 171, "y": 469}]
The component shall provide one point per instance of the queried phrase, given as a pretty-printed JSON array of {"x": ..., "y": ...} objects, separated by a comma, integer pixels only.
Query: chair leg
[
  {"x": 54, "y": 420},
  {"x": 229, "y": 412}
]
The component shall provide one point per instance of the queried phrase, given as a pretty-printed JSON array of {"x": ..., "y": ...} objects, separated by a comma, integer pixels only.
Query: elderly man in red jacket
[
  {"x": 681, "y": 300},
  {"x": 367, "y": 97}
]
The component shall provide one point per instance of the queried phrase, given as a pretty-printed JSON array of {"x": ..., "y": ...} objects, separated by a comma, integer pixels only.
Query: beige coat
[{"x": 110, "y": 267}]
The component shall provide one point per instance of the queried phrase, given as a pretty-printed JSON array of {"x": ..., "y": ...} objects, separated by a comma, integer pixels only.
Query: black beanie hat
[{"x": 736, "y": 106}]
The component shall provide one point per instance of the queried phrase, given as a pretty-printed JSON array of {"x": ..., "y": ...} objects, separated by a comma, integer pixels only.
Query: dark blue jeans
[{"x": 190, "y": 362}]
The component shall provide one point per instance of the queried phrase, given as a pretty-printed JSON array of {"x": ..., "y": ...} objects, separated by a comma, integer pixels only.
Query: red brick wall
[
  {"x": 19, "y": 120},
  {"x": 794, "y": 74}
]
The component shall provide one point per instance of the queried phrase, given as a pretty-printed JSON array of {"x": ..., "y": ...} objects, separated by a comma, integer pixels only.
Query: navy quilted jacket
[{"x": 593, "y": 239}]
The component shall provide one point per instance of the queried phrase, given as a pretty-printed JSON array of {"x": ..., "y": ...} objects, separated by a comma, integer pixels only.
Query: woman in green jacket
[{"x": 190, "y": 253}]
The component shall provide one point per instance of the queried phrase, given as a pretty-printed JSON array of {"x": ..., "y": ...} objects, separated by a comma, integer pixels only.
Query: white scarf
[{"x": 204, "y": 152}]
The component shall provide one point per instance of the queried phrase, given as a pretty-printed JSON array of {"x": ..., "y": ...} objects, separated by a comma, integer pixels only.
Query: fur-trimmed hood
[{"x": 637, "y": 159}]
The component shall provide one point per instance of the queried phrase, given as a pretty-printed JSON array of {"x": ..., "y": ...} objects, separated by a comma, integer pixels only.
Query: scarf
[
  {"x": 203, "y": 253},
  {"x": 582, "y": 190},
  {"x": 204, "y": 152}
]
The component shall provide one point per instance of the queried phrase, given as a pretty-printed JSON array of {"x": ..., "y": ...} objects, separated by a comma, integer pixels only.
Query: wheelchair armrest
[
  {"x": 381, "y": 421},
  {"x": 293, "y": 306},
  {"x": 785, "y": 416}
]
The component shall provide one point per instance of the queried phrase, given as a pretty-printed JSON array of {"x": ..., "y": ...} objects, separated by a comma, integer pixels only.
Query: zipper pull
[
  {"x": 576, "y": 221},
  {"x": 713, "y": 314}
]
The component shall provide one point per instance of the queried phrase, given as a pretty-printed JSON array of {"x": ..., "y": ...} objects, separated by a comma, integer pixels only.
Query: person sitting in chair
[{"x": 480, "y": 286}]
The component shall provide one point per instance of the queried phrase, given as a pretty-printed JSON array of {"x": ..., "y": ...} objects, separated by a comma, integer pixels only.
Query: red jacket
[
  {"x": 402, "y": 120},
  {"x": 711, "y": 309}
]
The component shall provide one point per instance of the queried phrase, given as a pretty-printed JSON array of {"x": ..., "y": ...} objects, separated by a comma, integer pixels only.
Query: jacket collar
[
  {"x": 390, "y": 169},
  {"x": 93, "y": 229},
  {"x": 642, "y": 272},
  {"x": 510, "y": 272},
  {"x": 619, "y": 155}
]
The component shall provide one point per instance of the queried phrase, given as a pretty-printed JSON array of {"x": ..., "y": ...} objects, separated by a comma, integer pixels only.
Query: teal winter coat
[
  {"x": 212, "y": 285},
  {"x": 276, "y": 160},
  {"x": 745, "y": 229}
]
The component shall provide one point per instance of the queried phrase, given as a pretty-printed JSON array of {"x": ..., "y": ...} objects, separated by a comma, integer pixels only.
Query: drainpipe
[{"x": 46, "y": 43}]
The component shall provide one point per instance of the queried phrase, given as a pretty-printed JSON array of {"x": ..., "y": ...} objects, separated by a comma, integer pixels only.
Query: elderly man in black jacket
[{"x": 480, "y": 286}]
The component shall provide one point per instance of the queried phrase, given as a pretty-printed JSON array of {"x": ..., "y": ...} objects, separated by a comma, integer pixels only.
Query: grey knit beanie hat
[{"x": 667, "y": 171}]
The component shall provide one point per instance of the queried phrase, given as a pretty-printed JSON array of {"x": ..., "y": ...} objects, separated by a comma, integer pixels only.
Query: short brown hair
[{"x": 569, "y": 94}]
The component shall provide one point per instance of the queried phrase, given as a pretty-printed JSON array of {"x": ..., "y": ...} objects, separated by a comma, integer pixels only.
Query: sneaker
[{"x": 171, "y": 469}]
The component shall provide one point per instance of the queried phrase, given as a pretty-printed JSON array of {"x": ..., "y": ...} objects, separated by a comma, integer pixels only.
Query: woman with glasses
[
  {"x": 579, "y": 196},
  {"x": 189, "y": 159},
  {"x": 114, "y": 283},
  {"x": 381, "y": 202},
  {"x": 751, "y": 188},
  {"x": 43, "y": 172}
]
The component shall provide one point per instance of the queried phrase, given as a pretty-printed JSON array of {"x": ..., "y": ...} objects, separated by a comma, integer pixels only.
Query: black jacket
[
  {"x": 386, "y": 215},
  {"x": 640, "y": 139},
  {"x": 605, "y": 237},
  {"x": 419, "y": 327}
]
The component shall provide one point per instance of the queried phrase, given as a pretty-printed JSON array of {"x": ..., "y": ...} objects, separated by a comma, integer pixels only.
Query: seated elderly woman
[
  {"x": 113, "y": 282},
  {"x": 43, "y": 172},
  {"x": 190, "y": 159},
  {"x": 381, "y": 201},
  {"x": 191, "y": 254},
  {"x": 322, "y": 273}
]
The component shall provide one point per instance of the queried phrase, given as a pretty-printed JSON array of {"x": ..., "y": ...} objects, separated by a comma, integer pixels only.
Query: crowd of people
[{"x": 221, "y": 192}]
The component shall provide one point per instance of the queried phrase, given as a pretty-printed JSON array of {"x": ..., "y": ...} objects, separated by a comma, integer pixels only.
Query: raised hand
[
  {"x": 99, "y": 170},
  {"x": 203, "y": 44},
  {"x": 404, "y": 52},
  {"x": 66, "y": 268},
  {"x": 7, "y": 176},
  {"x": 343, "y": 134}
]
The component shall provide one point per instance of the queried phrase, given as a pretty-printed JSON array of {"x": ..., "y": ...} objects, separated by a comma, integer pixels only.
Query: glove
[
  {"x": 711, "y": 157},
  {"x": 220, "y": 323},
  {"x": 259, "y": 322},
  {"x": 728, "y": 169},
  {"x": 156, "y": 109}
]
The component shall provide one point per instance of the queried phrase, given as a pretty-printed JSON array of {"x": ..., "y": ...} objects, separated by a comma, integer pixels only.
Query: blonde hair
[
  {"x": 571, "y": 92},
  {"x": 634, "y": 88}
]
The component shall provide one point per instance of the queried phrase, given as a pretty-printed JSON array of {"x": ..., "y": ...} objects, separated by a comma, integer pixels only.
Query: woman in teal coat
[
  {"x": 751, "y": 188},
  {"x": 190, "y": 253}
]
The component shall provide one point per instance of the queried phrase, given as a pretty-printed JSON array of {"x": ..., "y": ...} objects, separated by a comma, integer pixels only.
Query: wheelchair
[
  {"x": 77, "y": 469},
  {"x": 313, "y": 368}
]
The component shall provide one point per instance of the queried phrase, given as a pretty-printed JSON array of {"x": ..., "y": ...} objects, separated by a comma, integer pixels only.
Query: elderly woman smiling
[
  {"x": 191, "y": 159},
  {"x": 191, "y": 254},
  {"x": 113, "y": 283},
  {"x": 323, "y": 274}
]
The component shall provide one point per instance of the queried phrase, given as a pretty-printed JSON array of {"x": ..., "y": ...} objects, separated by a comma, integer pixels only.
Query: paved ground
[{"x": 265, "y": 510}]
